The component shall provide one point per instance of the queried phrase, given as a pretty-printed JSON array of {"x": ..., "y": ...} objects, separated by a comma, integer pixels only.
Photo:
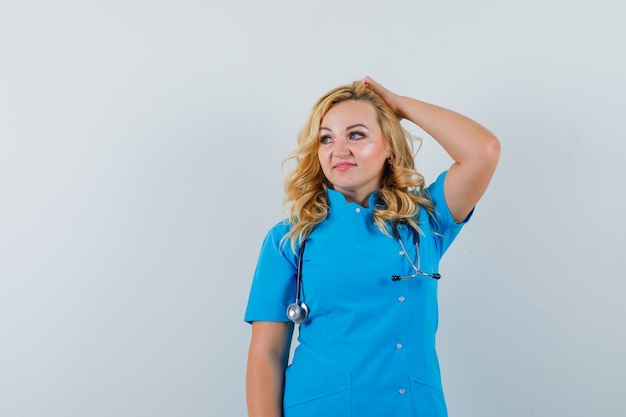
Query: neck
[{"x": 362, "y": 200}]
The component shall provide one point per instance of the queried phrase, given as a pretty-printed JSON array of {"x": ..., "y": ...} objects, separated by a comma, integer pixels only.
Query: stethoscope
[
  {"x": 416, "y": 241},
  {"x": 298, "y": 311}
]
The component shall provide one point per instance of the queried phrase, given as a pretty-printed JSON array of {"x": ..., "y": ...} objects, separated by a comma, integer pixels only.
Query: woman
[{"x": 357, "y": 259}]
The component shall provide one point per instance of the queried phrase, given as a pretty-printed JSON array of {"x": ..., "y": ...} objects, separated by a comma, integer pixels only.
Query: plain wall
[{"x": 140, "y": 168}]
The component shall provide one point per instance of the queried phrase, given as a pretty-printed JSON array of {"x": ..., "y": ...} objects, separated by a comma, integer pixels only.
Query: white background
[{"x": 140, "y": 168}]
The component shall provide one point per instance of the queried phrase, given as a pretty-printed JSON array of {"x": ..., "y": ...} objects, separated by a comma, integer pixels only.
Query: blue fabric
[{"x": 368, "y": 346}]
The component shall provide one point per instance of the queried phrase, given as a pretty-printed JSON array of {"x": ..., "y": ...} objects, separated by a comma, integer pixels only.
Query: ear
[{"x": 389, "y": 149}]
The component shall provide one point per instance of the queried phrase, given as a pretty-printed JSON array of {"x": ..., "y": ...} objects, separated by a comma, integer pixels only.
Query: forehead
[{"x": 350, "y": 112}]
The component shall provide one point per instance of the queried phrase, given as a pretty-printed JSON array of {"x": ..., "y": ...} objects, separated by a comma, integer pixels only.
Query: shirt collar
[{"x": 337, "y": 200}]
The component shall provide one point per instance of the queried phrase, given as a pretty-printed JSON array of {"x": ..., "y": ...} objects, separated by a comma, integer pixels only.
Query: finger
[
  {"x": 378, "y": 89},
  {"x": 369, "y": 82}
]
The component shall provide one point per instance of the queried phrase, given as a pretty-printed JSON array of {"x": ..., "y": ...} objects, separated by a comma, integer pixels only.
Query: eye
[
  {"x": 355, "y": 135},
  {"x": 325, "y": 139}
]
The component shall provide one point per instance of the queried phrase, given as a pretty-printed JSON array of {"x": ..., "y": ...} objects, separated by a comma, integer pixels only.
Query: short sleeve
[
  {"x": 274, "y": 283},
  {"x": 442, "y": 223}
]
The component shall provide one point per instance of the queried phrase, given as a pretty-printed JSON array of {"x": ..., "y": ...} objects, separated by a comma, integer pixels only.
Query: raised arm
[
  {"x": 474, "y": 149},
  {"x": 267, "y": 360}
]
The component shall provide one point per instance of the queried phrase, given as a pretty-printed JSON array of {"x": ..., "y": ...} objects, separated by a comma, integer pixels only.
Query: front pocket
[
  {"x": 333, "y": 398},
  {"x": 428, "y": 400}
]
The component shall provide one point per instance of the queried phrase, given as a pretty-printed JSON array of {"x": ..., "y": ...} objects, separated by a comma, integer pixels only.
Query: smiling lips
[{"x": 344, "y": 166}]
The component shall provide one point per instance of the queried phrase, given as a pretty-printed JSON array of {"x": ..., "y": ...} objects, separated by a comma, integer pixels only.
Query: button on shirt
[{"x": 367, "y": 338}]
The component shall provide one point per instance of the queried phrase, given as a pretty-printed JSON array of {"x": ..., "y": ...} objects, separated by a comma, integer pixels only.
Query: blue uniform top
[{"x": 368, "y": 345}]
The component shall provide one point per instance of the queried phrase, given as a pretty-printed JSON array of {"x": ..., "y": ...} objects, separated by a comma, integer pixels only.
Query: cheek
[
  {"x": 323, "y": 155},
  {"x": 374, "y": 151},
  {"x": 323, "y": 160}
]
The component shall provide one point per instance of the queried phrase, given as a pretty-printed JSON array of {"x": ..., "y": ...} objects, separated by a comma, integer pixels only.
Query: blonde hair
[{"x": 401, "y": 191}]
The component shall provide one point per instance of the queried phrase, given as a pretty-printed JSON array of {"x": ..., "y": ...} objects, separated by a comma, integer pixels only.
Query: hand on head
[{"x": 390, "y": 98}]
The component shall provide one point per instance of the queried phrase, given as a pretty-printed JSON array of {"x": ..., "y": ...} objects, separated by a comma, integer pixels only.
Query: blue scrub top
[{"x": 368, "y": 345}]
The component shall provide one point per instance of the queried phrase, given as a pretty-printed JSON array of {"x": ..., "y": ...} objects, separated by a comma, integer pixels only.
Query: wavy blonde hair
[{"x": 401, "y": 192}]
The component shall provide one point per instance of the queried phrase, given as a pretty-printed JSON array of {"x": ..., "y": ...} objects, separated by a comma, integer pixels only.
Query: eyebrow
[{"x": 347, "y": 128}]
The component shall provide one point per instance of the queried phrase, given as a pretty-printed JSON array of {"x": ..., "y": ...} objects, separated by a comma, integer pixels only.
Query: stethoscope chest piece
[{"x": 297, "y": 312}]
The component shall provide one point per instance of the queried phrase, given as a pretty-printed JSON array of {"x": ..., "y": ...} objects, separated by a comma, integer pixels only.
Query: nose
[{"x": 342, "y": 148}]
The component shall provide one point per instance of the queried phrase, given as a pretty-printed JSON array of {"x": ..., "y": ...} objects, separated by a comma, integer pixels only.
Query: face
[{"x": 352, "y": 151}]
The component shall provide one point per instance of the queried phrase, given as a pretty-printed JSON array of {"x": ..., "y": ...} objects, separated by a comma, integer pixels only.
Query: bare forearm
[
  {"x": 462, "y": 138},
  {"x": 264, "y": 385},
  {"x": 267, "y": 360}
]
